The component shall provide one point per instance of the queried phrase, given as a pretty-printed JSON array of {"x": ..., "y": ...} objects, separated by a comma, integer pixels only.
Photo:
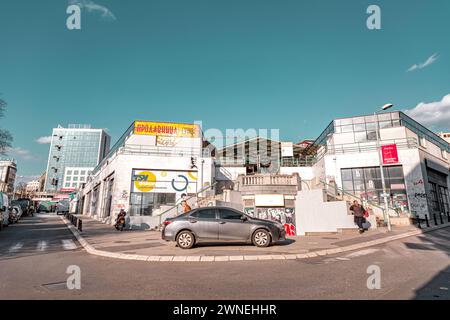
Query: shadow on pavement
[{"x": 439, "y": 286}]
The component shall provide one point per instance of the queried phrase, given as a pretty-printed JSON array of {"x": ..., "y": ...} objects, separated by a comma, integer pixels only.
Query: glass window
[
  {"x": 204, "y": 214},
  {"x": 346, "y": 174},
  {"x": 395, "y": 172},
  {"x": 69, "y": 172},
  {"x": 74, "y": 185},
  {"x": 385, "y": 124},
  {"x": 69, "y": 178},
  {"x": 358, "y": 120},
  {"x": 360, "y": 136},
  {"x": 229, "y": 214},
  {"x": 83, "y": 172},
  {"x": 75, "y": 172},
  {"x": 75, "y": 178},
  {"x": 384, "y": 117},
  {"x": 358, "y": 173},
  {"x": 67, "y": 185},
  {"x": 348, "y": 128},
  {"x": 359, "y": 127},
  {"x": 346, "y": 121}
]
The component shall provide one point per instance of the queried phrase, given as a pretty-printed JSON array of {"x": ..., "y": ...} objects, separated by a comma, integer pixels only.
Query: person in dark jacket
[{"x": 358, "y": 213}]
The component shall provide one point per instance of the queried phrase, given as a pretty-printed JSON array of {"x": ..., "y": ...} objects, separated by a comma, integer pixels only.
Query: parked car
[
  {"x": 15, "y": 213},
  {"x": 26, "y": 205},
  {"x": 4, "y": 210},
  {"x": 211, "y": 224},
  {"x": 62, "y": 207}
]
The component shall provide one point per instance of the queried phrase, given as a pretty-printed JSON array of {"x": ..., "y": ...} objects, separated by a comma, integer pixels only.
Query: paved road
[{"x": 35, "y": 254}]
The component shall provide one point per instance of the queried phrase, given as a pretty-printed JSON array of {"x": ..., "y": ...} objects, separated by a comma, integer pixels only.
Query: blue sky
[{"x": 293, "y": 65}]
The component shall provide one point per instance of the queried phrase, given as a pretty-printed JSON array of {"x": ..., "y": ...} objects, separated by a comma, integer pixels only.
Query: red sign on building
[{"x": 389, "y": 153}]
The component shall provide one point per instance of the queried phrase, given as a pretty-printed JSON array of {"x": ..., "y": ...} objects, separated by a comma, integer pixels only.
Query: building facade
[
  {"x": 78, "y": 146},
  {"x": 151, "y": 167},
  {"x": 8, "y": 170},
  {"x": 416, "y": 175}
]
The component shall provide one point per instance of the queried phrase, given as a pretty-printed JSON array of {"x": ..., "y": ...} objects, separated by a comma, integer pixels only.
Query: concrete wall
[{"x": 314, "y": 215}]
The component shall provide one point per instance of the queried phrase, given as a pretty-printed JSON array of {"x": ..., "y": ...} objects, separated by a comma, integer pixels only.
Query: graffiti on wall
[{"x": 285, "y": 216}]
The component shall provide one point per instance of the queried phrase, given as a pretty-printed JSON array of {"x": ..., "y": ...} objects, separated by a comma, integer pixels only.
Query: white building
[
  {"x": 343, "y": 165},
  {"x": 74, "y": 177},
  {"x": 32, "y": 186},
  {"x": 445, "y": 136},
  {"x": 146, "y": 172},
  {"x": 8, "y": 169}
]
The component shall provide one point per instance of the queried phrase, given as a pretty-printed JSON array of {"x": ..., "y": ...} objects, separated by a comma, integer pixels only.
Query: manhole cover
[{"x": 55, "y": 286}]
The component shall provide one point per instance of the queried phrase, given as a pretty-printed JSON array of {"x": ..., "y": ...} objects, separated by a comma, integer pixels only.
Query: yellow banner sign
[{"x": 166, "y": 129}]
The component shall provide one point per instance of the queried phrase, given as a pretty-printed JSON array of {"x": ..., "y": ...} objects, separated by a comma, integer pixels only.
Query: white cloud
[
  {"x": 432, "y": 114},
  {"x": 432, "y": 59},
  {"x": 91, "y": 6},
  {"x": 44, "y": 140},
  {"x": 21, "y": 153}
]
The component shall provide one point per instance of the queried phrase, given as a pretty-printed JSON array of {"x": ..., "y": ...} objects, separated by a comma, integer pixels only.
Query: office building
[{"x": 75, "y": 148}]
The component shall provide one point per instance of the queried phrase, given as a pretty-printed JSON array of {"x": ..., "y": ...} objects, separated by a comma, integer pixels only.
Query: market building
[
  {"x": 150, "y": 168},
  {"x": 342, "y": 165}
]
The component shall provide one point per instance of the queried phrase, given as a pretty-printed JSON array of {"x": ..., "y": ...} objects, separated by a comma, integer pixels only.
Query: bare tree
[{"x": 5, "y": 137}]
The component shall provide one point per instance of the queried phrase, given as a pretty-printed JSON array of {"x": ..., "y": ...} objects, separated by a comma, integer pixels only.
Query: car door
[
  {"x": 204, "y": 223},
  {"x": 231, "y": 226}
]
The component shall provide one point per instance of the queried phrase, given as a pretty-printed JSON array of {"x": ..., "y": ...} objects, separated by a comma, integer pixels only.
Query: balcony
[{"x": 268, "y": 183}]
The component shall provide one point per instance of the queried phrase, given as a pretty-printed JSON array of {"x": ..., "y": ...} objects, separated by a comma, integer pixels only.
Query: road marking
[
  {"x": 15, "y": 247},
  {"x": 42, "y": 245},
  {"x": 69, "y": 245},
  {"x": 361, "y": 253}
]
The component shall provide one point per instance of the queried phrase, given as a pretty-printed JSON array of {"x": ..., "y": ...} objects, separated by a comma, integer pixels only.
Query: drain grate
[
  {"x": 55, "y": 286},
  {"x": 122, "y": 241}
]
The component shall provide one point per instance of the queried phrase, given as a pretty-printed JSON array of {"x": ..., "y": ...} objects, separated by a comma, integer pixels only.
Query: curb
[{"x": 267, "y": 257}]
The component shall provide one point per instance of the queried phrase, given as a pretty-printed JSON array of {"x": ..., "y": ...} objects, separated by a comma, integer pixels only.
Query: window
[
  {"x": 143, "y": 204},
  {"x": 366, "y": 183},
  {"x": 69, "y": 172},
  {"x": 75, "y": 178},
  {"x": 69, "y": 178},
  {"x": 83, "y": 172},
  {"x": 229, "y": 214},
  {"x": 434, "y": 197},
  {"x": 67, "y": 185},
  {"x": 75, "y": 172},
  {"x": 204, "y": 214}
]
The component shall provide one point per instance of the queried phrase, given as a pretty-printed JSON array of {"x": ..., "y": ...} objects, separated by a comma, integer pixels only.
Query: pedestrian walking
[
  {"x": 358, "y": 213},
  {"x": 185, "y": 206}
]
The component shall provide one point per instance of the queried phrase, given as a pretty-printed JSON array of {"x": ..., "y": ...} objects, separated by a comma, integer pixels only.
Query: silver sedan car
[{"x": 211, "y": 224}]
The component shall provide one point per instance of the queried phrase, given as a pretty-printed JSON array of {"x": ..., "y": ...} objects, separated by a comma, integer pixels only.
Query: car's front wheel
[
  {"x": 261, "y": 238},
  {"x": 185, "y": 240}
]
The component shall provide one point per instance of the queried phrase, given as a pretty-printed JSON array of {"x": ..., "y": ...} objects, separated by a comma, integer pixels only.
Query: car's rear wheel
[
  {"x": 185, "y": 240},
  {"x": 261, "y": 238}
]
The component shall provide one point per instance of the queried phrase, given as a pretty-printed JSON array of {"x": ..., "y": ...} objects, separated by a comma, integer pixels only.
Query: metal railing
[
  {"x": 405, "y": 143},
  {"x": 268, "y": 180},
  {"x": 340, "y": 193},
  {"x": 175, "y": 208}
]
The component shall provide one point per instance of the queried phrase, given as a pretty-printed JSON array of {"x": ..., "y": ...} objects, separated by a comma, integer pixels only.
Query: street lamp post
[{"x": 380, "y": 159}]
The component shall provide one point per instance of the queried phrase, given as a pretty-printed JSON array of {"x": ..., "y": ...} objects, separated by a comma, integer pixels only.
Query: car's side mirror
[{"x": 243, "y": 218}]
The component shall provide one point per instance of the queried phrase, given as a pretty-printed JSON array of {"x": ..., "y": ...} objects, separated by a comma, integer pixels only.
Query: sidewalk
[{"x": 103, "y": 239}]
